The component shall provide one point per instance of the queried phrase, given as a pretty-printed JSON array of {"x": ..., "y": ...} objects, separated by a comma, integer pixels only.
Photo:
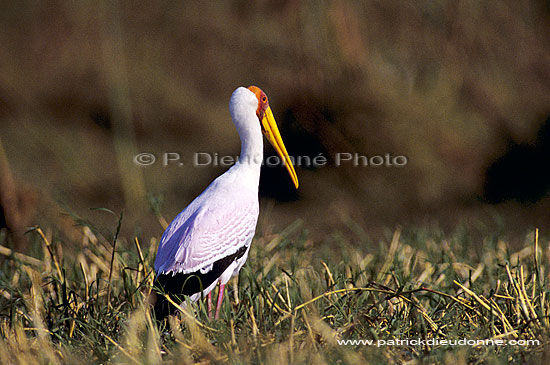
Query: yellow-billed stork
[{"x": 208, "y": 242}]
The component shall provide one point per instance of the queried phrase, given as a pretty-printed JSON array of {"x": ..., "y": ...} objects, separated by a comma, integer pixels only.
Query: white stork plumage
[{"x": 208, "y": 242}]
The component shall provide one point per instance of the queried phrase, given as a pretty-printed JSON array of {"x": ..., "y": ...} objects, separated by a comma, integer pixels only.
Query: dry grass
[{"x": 294, "y": 301}]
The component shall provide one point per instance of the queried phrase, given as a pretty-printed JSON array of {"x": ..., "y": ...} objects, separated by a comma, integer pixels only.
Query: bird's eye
[{"x": 264, "y": 99}]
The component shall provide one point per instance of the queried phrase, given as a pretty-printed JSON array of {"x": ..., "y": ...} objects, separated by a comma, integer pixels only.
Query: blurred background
[{"x": 461, "y": 88}]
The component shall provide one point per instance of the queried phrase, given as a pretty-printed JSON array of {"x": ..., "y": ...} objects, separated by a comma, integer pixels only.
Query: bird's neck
[
  {"x": 252, "y": 148},
  {"x": 252, "y": 153}
]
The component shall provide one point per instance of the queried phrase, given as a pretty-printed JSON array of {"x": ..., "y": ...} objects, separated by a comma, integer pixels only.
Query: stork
[{"x": 208, "y": 242}]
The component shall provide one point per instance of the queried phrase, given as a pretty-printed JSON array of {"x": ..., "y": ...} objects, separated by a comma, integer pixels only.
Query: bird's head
[
  {"x": 271, "y": 131},
  {"x": 263, "y": 103}
]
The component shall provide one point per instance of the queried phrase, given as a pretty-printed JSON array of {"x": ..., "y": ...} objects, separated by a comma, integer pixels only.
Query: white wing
[{"x": 211, "y": 227}]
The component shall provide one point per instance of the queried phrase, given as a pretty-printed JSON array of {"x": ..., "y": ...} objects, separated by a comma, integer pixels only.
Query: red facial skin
[{"x": 263, "y": 103}]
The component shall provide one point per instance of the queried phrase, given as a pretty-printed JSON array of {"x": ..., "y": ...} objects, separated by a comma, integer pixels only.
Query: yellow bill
[{"x": 271, "y": 131}]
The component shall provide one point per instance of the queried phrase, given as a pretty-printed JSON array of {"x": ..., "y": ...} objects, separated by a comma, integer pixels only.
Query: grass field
[{"x": 78, "y": 302}]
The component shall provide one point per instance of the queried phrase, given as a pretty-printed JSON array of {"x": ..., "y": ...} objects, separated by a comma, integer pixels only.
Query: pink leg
[
  {"x": 220, "y": 300},
  {"x": 209, "y": 301}
]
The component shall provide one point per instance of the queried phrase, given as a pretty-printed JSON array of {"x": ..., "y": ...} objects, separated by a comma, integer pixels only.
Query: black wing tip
[{"x": 188, "y": 284}]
